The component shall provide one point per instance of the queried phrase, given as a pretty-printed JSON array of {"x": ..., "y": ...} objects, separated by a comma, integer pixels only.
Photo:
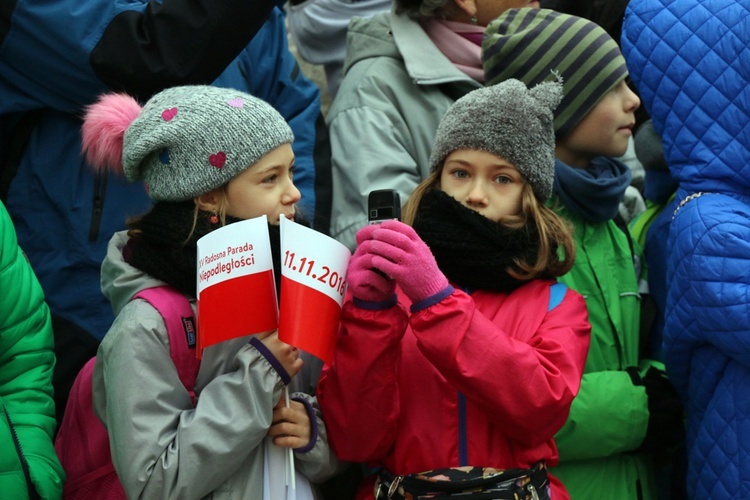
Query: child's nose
[
  {"x": 291, "y": 194},
  {"x": 477, "y": 195},
  {"x": 633, "y": 101}
]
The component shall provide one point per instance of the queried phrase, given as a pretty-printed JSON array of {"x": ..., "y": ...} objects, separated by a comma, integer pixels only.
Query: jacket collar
[{"x": 424, "y": 62}]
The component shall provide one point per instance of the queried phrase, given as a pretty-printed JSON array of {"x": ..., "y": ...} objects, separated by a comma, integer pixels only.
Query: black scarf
[
  {"x": 472, "y": 250},
  {"x": 164, "y": 251}
]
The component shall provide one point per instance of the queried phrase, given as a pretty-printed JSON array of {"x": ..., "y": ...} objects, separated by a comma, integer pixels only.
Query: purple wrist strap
[
  {"x": 271, "y": 359},
  {"x": 432, "y": 299},
  {"x": 313, "y": 427},
  {"x": 375, "y": 306}
]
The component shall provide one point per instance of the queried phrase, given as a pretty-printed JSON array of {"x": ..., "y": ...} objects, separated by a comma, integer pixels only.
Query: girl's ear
[
  {"x": 467, "y": 6},
  {"x": 211, "y": 201}
]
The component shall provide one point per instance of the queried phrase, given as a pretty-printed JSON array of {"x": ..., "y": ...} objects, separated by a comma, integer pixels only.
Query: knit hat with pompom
[
  {"x": 185, "y": 141},
  {"x": 507, "y": 120}
]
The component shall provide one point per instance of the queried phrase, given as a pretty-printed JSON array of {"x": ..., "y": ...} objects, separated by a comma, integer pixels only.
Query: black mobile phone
[{"x": 382, "y": 205}]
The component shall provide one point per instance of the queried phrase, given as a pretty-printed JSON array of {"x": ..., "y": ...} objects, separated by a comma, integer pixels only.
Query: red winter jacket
[{"x": 483, "y": 379}]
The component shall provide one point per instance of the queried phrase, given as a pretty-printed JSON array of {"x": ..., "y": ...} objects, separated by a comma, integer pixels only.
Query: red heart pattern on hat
[
  {"x": 218, "y": 160},
  {"x": 168, "y": 114},
  {"x": 237, "y": 102}
]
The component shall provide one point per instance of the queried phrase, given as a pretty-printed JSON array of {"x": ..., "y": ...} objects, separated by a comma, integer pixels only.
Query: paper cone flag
[
  {"x": 313, "y": 283},
  {"x": 236, "y": 289}
]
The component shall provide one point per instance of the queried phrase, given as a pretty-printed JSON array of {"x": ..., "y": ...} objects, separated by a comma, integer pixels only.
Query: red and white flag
[
  {"x": 236, "y": 289},
  {"x": 313, "y": 284}
]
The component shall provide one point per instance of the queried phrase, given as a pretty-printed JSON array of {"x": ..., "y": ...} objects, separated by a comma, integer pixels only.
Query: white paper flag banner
[
  {"x": 236, "y": 288},
  {"x": 276, "y": 485},
  {"x": 313, "y": 283}
]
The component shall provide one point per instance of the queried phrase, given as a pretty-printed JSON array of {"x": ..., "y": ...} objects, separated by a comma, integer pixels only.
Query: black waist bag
[{"x": 466, "y": 482}]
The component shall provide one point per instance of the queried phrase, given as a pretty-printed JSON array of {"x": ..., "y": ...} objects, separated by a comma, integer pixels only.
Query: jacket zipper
[
  {"x": 21, "y": 457},
  {"x": 463, "y": 441},
  {"x": 100, "y": 191}
]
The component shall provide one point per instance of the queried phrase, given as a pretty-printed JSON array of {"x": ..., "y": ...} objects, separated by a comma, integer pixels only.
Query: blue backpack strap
[
  {"x": 178, "y": 316},
  {"x": 556, "y": 294}
]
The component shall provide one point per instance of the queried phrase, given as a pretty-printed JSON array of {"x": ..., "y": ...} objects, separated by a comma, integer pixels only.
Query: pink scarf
[{"x": 461, "y": 43}]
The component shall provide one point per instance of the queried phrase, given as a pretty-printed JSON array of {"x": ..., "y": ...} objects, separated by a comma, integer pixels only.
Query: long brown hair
[{"x": 556, "y": 246}]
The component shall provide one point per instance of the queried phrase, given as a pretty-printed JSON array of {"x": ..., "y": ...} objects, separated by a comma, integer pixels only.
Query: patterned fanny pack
[{"x": 466, "y": 482}]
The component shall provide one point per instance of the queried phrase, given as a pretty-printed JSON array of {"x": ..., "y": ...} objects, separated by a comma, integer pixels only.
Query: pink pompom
[{"x": 103, "y": 130}]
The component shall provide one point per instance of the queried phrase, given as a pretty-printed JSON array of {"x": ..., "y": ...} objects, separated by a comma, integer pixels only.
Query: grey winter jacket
[
  {"x": 397, "y": 86},
  {"x": 162, "y": 445}
]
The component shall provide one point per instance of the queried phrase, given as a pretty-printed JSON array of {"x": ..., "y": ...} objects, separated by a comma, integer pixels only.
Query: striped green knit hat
[{"x": 533, "y": 45}]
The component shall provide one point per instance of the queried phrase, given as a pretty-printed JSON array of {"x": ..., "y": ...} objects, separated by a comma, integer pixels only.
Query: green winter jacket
[
  {"x": 609, "y": 417},
  {"x": 27, "y": 412}
]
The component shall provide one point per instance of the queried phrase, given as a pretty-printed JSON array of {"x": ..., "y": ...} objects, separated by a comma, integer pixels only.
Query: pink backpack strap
[{"x": 178, "y": 315}]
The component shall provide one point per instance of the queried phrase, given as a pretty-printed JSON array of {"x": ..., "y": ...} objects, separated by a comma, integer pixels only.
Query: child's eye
[
  {"x": 460, "y": 174},
  {"x": 291, "y": 171},
  {"x": 270, "y": 179},
  {"x": 503, "y": 179}
]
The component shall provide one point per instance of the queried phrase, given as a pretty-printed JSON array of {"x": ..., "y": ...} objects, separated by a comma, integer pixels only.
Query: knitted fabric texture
[
  {"x": 510, "y": 121},
  {"x": 473, "y": 251},
  {"x": 189, "y": 140},
  {"x": 534, "y": 45},
  {"x": 166, "y": 247}
]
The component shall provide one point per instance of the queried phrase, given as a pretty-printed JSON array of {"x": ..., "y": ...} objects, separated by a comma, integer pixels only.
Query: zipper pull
[
  {"x": 97, "y": 208},
  {"x": 394, "y": 486},
  {"x": 534, "y": 494}
]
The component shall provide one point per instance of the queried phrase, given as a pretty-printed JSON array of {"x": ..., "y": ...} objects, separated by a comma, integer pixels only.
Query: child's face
[
  {"x": 604, "y": 131},
  {"x": 483, "y": 182},
  {"x": 266, "y": 188}
]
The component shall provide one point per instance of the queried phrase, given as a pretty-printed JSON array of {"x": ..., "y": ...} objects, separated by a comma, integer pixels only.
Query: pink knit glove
[
  {"x": 364, "y": 282},
  {"x": 399, "y": 252}
]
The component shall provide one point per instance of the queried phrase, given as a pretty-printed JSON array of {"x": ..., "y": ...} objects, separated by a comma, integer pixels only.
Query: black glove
[{"x": 666, "y": 424}]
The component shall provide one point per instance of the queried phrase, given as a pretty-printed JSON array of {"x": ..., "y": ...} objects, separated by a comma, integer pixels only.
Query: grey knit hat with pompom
[
  {"x": 189, "y": 140},
  {"x": 510, "y": 121}
]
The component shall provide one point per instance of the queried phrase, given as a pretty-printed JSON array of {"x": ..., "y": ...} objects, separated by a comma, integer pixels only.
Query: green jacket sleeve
[
  {"x": 608, "y": 416},
  {"x": 26, "y": 363}
]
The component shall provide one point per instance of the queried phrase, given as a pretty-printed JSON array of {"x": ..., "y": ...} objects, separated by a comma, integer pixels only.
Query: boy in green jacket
[{"x": 626, "y": 412}]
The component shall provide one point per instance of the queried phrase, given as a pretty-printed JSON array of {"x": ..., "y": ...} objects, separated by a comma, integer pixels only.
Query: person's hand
[
  {"x": 291, "y": 427},
  {"x": 398, "y": 251},
  {"x": 287, "y": 355},
  {"x": 666, "y": 427},
  {"x": 364, "y": 281}
]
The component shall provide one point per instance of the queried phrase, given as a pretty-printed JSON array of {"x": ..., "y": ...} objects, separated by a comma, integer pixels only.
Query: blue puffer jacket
[
  {"x": 60, "y": 56},
  {"x": 691, "y": 62}
]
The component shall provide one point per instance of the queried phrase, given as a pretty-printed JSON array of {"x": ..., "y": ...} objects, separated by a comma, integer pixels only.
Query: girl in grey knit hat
[
  {"x": 457, "y": 347},
  {"x": 209, "y": 157}
]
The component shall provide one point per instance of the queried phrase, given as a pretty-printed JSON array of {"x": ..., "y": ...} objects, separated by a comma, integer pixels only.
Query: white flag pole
[{"x": 290, "y": 453}]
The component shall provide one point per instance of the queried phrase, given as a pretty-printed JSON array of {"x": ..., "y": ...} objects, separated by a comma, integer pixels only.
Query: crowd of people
[{"x": 561, "y": 312}]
